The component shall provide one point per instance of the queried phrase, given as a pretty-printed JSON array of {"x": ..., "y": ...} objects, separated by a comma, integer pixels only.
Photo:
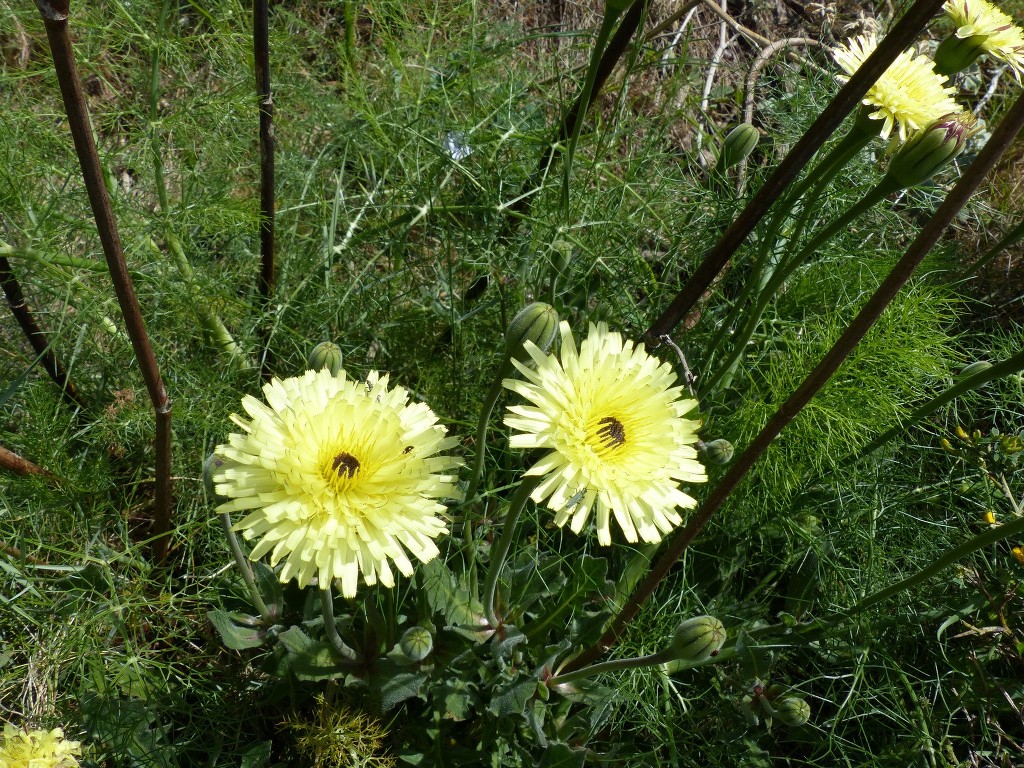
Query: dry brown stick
[
  {"x": 265, "y": 285},
  {"x": 55, "y": 19},
  {"x": 19, "y": 465},
  {"x": 35, "y": 335},
  {"x": 901, "y": 35},
  {"x": 17, "y": 554},
  {"x": 1002, "y": 138}
]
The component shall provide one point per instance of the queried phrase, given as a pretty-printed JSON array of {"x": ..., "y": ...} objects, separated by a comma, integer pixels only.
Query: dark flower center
[
  {"x": 345, "y": 464},
  {"x": 612, "y": 433}
]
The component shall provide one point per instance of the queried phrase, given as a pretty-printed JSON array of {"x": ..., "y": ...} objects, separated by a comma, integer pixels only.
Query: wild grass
[{"x": 383, "y": 238}]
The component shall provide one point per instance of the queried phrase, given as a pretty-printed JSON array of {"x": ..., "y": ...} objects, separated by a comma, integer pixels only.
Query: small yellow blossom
[
  {"x": 339, "y": 478},
  {"x": 907, "y": 97},
  {"x": 611, "y": 420},
  {"x": 37, "y": 749},
  {"x": 990, "y": 517},
  {"x": 995, "y": 32},
  {"x": 1018, "y": 552}
]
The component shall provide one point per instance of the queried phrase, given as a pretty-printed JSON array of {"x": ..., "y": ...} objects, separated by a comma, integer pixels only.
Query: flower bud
[
  {"x": 716, "y": 453},
  {"x": 975, "y": 367},
  {"x": 325, "y": 355},
  {"x": 698, "y": 639},
  {"x": 990, "y": 517},
  {"x": 212, "y": 465},
  {"x": 738, "y": 144},
  {"x": 930, "y": 150},
  {"x": 416, "y": 643},
  {"x": 793, "y": 711},
  {"x": 955, "y": 53},
  {"x": 1018, "y": 553},
  {"x": 536, "y": 322}
]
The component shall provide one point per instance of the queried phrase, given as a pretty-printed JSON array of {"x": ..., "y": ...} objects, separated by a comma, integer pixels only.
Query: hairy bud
[
  {"x": 738, "y": 144},
  {"x": 536, "y": 322},
  {"x": 930, "y": 150},
  {"x": 698, "y": 639},
  {"x": 416, "y": 643},
  {"x": 793, "y": 711},
  {"x": 325, "y": 355}
]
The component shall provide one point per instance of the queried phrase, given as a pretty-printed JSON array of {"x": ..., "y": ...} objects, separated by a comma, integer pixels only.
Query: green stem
[
  {"x": 247, "y": 574},
  {"x": 1012, "y": 364},
  {"x": 1012, "y": 237},
  {"x": 784, "y": 270},
  {"x": 490, "y": 399},
  {"x": 661, "y": 657},
  {"x": 951, "y": 557},
  {"x": 327, "y": 607},
  {"x": 499, "y": 552},
  {"x": 607, "y": 22}
]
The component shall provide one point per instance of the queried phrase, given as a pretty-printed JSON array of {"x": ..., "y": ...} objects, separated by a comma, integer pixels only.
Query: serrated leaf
[
  {"x": 257, "y": 756},
  {"x": 399, "y": 687},
  {"x": 447, "y": 597},
  {"x": 236, "y": 636},
  {"x": 310, "y": 659},
  {"x": 512, "y": 699},
  {"x": 269, "y": 587}
]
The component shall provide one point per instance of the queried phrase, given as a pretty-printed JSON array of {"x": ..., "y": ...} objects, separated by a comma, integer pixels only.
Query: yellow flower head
[
  {"x": 37, "y": 749},
  {"x": 339, "y": 477},
  {"x": 908, "y": 96},
  {"x": 997, "y": 35},
  {"x": 611, "y": 421}
]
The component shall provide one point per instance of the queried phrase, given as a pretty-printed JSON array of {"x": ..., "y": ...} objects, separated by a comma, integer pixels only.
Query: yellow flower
[
  {"x": 612, "y": 424},
  {"x": 37, "y": 749},
  {"x": 996, "y": 33},
  {"x": 908, "y": 96},
  {"x": 339, "y": 478},
  {"x": 1018, "y": 552}
]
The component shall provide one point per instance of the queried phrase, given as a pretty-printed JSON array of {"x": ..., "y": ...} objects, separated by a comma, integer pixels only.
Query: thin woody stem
[
  {"x": 265, "y": 284},
  {"x": 901, "y": 35},
  {"x": 1001, "y": 138},
  {"x": 18, "y": 464},
  {"x": 55, "y": 19},
  {"x": 35, "y": 335}
]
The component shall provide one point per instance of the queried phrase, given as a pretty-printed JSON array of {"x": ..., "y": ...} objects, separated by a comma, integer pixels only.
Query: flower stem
[
  {"x": 661, "y": 657},
  {"x": 499, "y": 552},
  {"x": 783, "y": 271},
  {"x": 481, "y": 428},
  {"x": 1002, "y": 137},
  {"x": 327, "y": 606},
  {"x": 243, "y": 565},
  {"x": 55, "y": 18},
  {"x": 261, "y": 59},
  {"x": 900, "y": 36}
]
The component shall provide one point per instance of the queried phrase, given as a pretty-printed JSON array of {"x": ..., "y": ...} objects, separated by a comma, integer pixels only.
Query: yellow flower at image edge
[
  {"x": 611, "y": 421},
  {"x": 339, "y": 478},
  {"x": 908, "y": 96},
  {"x": 37, "y": 749},
  {"x": 997, "y": 35}
]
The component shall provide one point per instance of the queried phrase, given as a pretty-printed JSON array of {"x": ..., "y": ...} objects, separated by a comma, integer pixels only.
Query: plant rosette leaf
[
  {"x": 310, "y": 659},
  {"x": 239, "y": 631}
]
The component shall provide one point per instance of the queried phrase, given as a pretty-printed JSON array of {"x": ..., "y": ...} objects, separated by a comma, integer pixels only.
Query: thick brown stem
[
  {"x": 13, "y": 462},
  {"x": 55, "y": 19},
  {"x": 265, "y": 285},
  {"x": 35, "y": 335},
  {"x": 929, "y": 235},
  {"x": 902, "y": 34}
]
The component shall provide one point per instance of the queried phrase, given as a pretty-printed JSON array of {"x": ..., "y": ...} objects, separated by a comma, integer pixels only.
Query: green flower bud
[
  {"x": 212, "y": 464},
  {"x": 793, "y": 711},
  {"x": 975, "y": 367},
  {"x": 1009, "y": 444},
  {"x": 716, "y": 453},
  {"x": 536, "y": 322},
  {"x": 930, "y": 150},
  {"x": 738, "y": 144},
  {"x": 416, "y": 643},
  {"x": 955, "y": 54},
  {"x": 698, "y": 639},
  {"x": 325, "y": 355}
]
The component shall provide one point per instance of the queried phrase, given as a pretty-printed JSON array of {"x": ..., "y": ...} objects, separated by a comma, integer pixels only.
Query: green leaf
[
  {"x": 257, "y": 756},
  {"x": 237, "y": 636},
  {"x": 512, "y": 699},
  {"x": 399, "y": 687},
  {"x": 310, "y": 659},
  {"x": 562, "y": 756},
  {"x": 448, "y": 597},
  {"x": 588, "y": 576},
  {"x": 269, "y": 587}
]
